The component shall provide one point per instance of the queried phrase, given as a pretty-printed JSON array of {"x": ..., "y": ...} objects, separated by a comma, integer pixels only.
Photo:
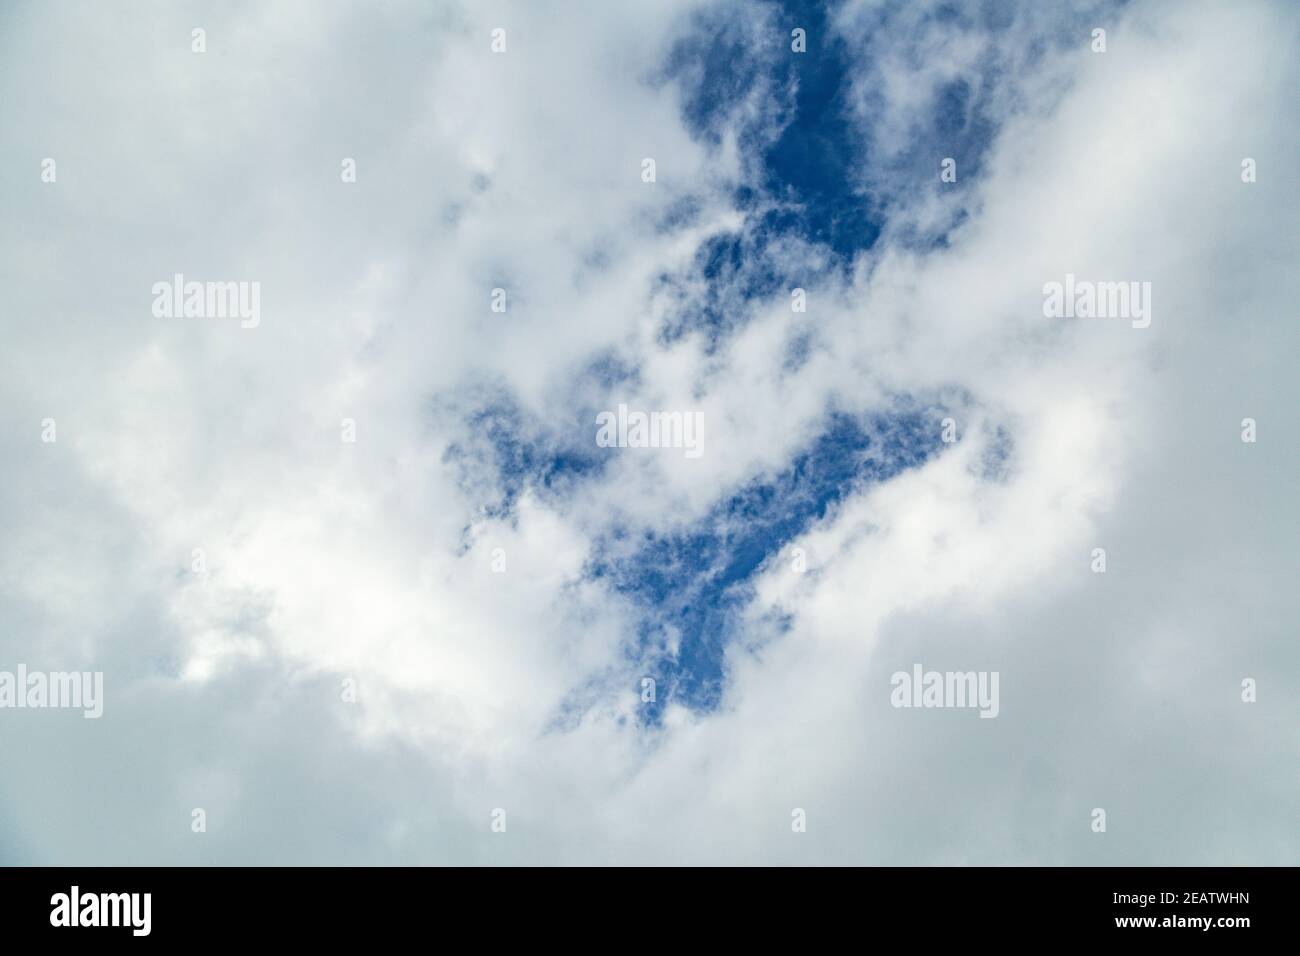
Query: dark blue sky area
[
  {"x": 698, "y": 580},
  {"x": 812, "y": 181}
]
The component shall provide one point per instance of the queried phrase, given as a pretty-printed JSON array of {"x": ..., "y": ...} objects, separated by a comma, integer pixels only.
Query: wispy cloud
[{"x": 370, "y": 547}]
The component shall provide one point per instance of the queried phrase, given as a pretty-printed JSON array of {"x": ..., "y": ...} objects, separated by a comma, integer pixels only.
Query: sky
[{"x": 362, "y": 583}]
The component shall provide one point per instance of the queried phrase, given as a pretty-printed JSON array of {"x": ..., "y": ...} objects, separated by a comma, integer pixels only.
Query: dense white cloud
[{"x": 373, "y": 561}]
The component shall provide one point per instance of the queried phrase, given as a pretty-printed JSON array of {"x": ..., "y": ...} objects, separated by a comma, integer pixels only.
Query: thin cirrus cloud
[{"x": 497, "y": 585}]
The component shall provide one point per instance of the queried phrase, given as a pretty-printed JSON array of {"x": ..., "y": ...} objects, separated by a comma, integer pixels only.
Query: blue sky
[
  {"x": 696, "y": 581},
  {"x": 809, "y": 175}
]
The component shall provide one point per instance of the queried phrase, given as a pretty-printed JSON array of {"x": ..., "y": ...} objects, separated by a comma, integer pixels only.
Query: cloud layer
[{"x": 495, "y": 587}]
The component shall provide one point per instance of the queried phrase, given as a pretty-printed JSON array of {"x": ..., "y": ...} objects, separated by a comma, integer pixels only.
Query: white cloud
[{"x": 372, "y": 560}]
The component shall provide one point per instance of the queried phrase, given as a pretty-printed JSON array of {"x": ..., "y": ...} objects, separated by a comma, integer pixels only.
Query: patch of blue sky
[
  {"x": 691, "y": 586},
  {"x": 811, "y": 176},
  {"x": 733, "y": 269},
  {"x": 817, "y": 167},
  {"x": 816, "y": 191},
  {"x": 503, "y": 453},
  {"x": 801, "y": 148}
]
